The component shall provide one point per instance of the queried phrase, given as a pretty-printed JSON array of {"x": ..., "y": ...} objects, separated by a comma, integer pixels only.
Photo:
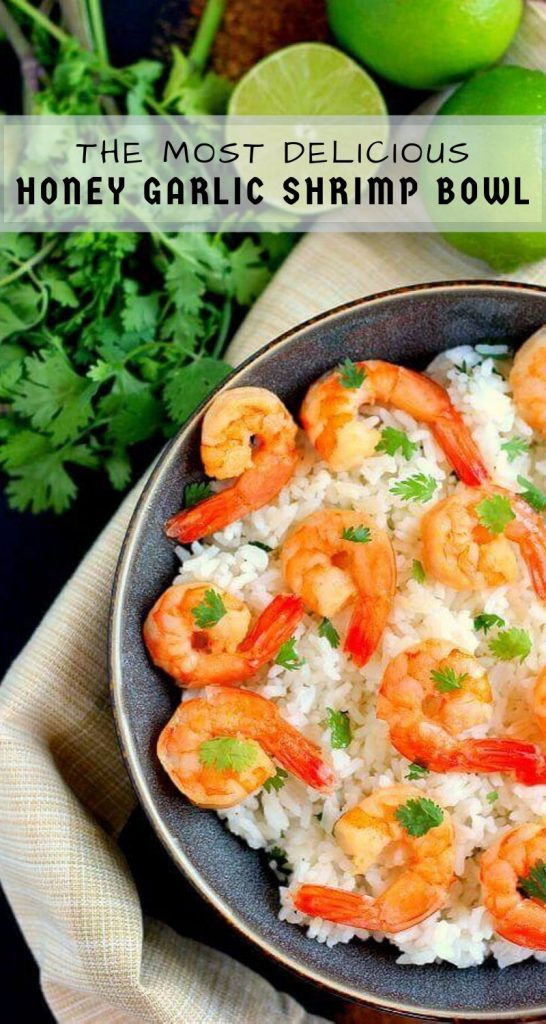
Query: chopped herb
[
  {"x": 495, "y": 513},
  {"x": 276, "y": 782},
  {"x": 415, "y": 488},
  {"x": 417, "y": 571},
  {"x": 534, "y": 884},
  {"x": 486, "y": 622},
  {"x": 329, "y": 633},
  {"x": 532, "y": 494},
  {"x": 259, "y": 544},
  {"x": 339, "y": 724},
  {"x": 511, "y": 643},
  {"x": 210, "y": 611},
  {"x": 393, "y": 441},
  {"x": 464, "y": 368},
  {"x": 194, "y": 493},
  {"x": 351, "y": 375},
  {"x": 515, "y": 447},
  {"x": 288, "y": 656},
  {"x": 280, "y": 860},
  {"x": 357, "y": 534},
  {"x": 390, "y": 523},
  {"x": 447, "y": 679},
  {"x": 492, "y": 796},
  {"x": 416, "y": 771},
  {"x": 225, "y": 753},
  {"x": 418, "y": 816}
]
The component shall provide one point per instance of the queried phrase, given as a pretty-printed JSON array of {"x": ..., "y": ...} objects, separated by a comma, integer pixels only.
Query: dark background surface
[{"x": 37, "y": 556}]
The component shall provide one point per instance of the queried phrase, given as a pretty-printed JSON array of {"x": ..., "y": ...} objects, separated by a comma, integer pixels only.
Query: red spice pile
[{"x": 250, "y": 30}]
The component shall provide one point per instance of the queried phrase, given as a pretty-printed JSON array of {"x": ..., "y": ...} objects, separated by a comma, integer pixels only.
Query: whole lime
[
  {"x": 425, "y": 44},
  {"x": 505, "y": 91}
]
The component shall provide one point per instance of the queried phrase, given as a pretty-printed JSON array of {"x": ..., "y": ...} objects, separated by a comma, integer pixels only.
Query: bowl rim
[{"x": 128, "y": 750}]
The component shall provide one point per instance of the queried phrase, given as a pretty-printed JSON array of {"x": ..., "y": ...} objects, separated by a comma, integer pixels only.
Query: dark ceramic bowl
[{"x": 408, "y": 326}]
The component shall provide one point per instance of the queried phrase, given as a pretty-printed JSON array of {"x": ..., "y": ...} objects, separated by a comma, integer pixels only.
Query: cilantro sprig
[
  {"x": 418, "y": 488},
  {"x": 510, "y": 644},
  {"x": 288, "y": 657},
  {"x": 329, "y": 633},
  {"x": 276, "y": 782},
  {"x": 418, "y": 816},
  {"x": 226, "y": 753},
  {"x": 210, "y": 610},
  {"x": 357, "y": 534},
  {"x": 446, "y": 679},
  {"x": 486, "y": 621},
  {"x": 351, "y": 376},
  {"x": 194, "y": 493},
  {"x": 417, "y": 571},
  {"x": 416, "y": 771},
  {"x": 533, "y": 884},
  {"x": 495, "y": 513},
  {"x": 339, "y": 724},
  {"x": 532, "y": 494},
  {"x": 515, "y": 447},
  {"x": 393, "y": 441}
]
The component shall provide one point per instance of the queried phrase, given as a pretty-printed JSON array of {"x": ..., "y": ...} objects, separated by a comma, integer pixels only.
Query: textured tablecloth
[{"x": 64, "y": 792}]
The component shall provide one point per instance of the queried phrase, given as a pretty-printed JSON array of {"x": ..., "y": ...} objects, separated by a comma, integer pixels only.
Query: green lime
[
  {"x": 311, "y": 79},
  {"x": 425, "y": 44},
  {"x": 503, "y": 91}
]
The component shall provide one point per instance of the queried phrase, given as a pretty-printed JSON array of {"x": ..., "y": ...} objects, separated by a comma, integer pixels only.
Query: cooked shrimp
[
  {"x": 528, "y": 381},
  {"x": 505, "y": 867},
  {"x": 539, "y": 700},
  {"x": 364, "y": 833},
  {"x": 463, "y": 554},
  {"x": 330, "y": 571},
  {"x": 247, "y": 433},
  {"x": 330, "y": 416},
  {"x": 433, "y": 692},
  {"x": 235, "y": 714},
  {"x": 197, "y": 650}
]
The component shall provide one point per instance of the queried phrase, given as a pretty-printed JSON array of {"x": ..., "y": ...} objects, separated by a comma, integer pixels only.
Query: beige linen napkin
[{"x": 64, "y": 792}]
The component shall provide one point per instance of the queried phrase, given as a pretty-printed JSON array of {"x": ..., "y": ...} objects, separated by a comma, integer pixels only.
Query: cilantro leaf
[
  {"x": 280, "y": 860},
  {"x": 415, "y": 488},
  {"x": 339, "y": 725},
  {"x": 209, "y": 612},
  {"x": 418, "y": 815},
  {"x": 532, "y": 494},
  {"x": 51, "y": 395},
  {"x": 259, "y": 544},
  {"x": 417, "y": 571},
  {"x": 227, "y": 754},
  {"x": 396, "y": 440},
  {"x": 486, "y": 621},
  {"x": 329, "y": 633},
  {"x": 511, "y": 643},
  {"x": 194, "y": 493},
  {"x": 189, "y": 385},
  {"x": 351, "y": 375},
  {"x": 495, "y": 513},
  {"x": 40, "y": 478},
  {"x": 276, "y": 781},
  {"x": 446, "y": 679},
  {"x": 416, "y": 771},
  {"x": 288, "y": 656},
  {"x": 534, "y": 883},
  {"x": 492, "y": 796},
  {"x": 357, "y": 534},
  {"x": 515, "y": 447},
  {"x": 247, "y": 275}
]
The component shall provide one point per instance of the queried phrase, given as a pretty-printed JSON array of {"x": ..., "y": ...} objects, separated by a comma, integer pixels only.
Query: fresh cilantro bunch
[{"x": 108, "y": 340}]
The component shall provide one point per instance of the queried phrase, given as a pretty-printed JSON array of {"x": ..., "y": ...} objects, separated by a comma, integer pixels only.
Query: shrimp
[
  {"x": 243, "y": 715},
  {"x": 433, "y": 692},
  {"x": 463, "y": 554},
  {"x": 528, "y": 381},
  {"x": 539, "y": 700},
  {"x": 329, "y": 571},
  {"x": 364, "y": 833},
  {"x": 247, "y": 434},
  {"x": 222, "y": 650},
  {"x": 330, "y": 416},
  {"x": 518, "y": 917}
]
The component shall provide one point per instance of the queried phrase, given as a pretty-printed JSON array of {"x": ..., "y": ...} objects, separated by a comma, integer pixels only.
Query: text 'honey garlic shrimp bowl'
[{"x": 328, "y": 650}]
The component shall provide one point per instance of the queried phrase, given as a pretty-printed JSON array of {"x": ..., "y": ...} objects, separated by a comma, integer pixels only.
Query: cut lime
[{"x": 309, "y": 79}]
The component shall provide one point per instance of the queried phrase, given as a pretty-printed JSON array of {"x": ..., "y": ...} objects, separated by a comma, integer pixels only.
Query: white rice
[{"x": 300, "y": 820}]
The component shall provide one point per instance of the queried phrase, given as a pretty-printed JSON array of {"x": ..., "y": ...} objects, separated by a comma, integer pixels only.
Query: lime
[
  {"x": 309, "y": 79},
  {"x": 425, "y": 44},
  {"x": 503, "y": 91}
]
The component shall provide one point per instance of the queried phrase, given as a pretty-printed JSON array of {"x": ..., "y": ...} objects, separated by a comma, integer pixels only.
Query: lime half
[{"x": 309, "y": 79}]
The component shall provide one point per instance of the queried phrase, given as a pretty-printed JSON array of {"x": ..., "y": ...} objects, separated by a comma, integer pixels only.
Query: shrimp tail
[
  {"x": 349, "y": 908},
  {"x": 302, "y": 758},
  {"x": 502, "y": 755},
  {"x": 453, "y": 436},
  {"x": 366, "y": 628},
  {"x": 207, "y": 516},
  {"x": 532, "y": 544},
  {"x": 275, "y": 625}
]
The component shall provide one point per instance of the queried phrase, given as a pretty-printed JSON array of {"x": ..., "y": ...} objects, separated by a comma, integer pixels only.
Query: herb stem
[
  {"x": 206, "y": 31},
  {"x": 94, "y": 11},
  {"x": 41, "y": 20},
  {"x": 30, "y": 68},
  {"x": 25, "y": 267},
  {"x": 223, "y": 328}
]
